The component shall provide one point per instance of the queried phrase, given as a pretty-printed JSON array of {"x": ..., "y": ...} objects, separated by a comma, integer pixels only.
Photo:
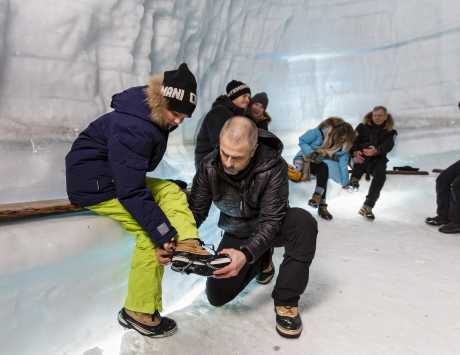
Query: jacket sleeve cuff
[
  {"x": 247, "y": 253},
  {"x": 159, "y": 240}
]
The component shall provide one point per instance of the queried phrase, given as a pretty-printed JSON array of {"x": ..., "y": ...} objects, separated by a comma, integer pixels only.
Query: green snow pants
[{"x": 144, "y": 283}]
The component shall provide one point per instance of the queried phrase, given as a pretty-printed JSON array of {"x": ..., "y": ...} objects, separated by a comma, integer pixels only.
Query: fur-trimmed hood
[{"x": 145, "y": 102}]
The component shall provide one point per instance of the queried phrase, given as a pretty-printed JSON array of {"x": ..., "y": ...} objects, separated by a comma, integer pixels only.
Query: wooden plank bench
[{"x": 12, "y": 211}]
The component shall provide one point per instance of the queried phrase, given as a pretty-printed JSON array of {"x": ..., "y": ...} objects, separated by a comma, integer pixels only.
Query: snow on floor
[
  {"x": 388, "y": 286},
  {"x": 385, "y": 287}
]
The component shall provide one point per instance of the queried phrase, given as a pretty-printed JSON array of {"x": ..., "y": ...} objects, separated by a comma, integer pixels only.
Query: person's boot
[
  {"x": 288, "y": 322},
  {"x": 150, "y": 325},
  {"x": 353, "y": 185},
  {"x": 450, "y": 228},
  {"x": 268, "y": 268},
  {"x": 436, "y": 221},
  {"x": 366, "y": 211},
  {"x": 315, "y": 200},
  {"x": 323, "y": 212},
  {"x": 189, "y": 257}
]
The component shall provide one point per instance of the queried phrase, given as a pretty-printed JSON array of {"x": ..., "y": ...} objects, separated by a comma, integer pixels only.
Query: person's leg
[
  {"x": 144, "y": 297},
  {"x": 453, "y": 226},
  {"x": 321, "y": 172},
  {"x": 144, "y": 282},
  {"x": 173, "y": 202},
  {"x": 443, "y": 186},
  {"x": 222, "y": 291},
  {"x": 379, "y": 177},
  {"x": 358, "y": 170},
  {"x": 298, "y": 236}
]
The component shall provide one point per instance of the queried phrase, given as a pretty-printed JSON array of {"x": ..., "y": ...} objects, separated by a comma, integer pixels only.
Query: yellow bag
[{"x": 293, "y": 174}]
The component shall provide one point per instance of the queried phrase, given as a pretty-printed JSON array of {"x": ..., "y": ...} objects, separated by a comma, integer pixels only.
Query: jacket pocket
[{"x": 104, "y": 183}]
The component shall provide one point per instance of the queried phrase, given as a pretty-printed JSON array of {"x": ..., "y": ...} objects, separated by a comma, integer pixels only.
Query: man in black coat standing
[
  {"x": 246, "y": 178},
  {"x": 234, "y": 103}
]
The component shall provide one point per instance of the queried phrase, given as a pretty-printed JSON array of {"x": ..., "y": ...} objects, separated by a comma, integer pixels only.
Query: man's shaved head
[
  {"x": 239, "y": 130},
  {"x": 238, "y": 143}
]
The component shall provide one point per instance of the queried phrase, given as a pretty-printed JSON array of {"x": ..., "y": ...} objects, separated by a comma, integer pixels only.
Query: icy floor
[{"x": 385, "y": 287}]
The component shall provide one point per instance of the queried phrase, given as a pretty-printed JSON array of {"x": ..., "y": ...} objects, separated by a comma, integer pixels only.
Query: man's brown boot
[
  {"x": 189, "y": 257},
  {"x": 288, "y": 322},
  {"x": 150, "y": 325}
]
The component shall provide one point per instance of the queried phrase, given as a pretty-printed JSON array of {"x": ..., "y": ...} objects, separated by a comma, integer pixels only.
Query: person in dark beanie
[
  {"x": 235, "y": 102},
  {"x": 106, "y": 173},
  {"x": 257, "y": 110},
  {"x": 375, "y": 139}
]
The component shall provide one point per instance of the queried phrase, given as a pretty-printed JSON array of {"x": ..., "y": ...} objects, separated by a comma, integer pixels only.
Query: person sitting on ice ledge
[
  {"x": 448, "y": 201},
  {"x": 106, "y": 173},
  {"x": 246, "y": 178},
  {"x": 375, "y": 138}
]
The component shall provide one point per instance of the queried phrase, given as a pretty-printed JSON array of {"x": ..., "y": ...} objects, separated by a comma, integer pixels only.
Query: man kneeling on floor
[{"x": 246, "y": 178}]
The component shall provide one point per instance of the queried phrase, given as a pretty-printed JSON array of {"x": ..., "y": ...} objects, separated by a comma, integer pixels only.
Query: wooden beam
[{"x": 13, "y": 211}]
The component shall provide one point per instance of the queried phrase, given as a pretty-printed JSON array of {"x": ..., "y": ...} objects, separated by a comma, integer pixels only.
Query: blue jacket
[
  {"x": 111, "y": 157},
  {"x": 312, "y": 140}
]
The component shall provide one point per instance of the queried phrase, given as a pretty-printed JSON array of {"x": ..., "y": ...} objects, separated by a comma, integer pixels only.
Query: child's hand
[{"x": 164, "y": 253}]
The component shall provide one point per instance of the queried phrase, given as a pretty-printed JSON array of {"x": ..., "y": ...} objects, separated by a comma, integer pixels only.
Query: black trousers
[
  {"x": 321, "y": 171},
  {"x": 377, "y": 168},
  {"x": 448, "y": 193},
  {"x": 298, "y": 236}
]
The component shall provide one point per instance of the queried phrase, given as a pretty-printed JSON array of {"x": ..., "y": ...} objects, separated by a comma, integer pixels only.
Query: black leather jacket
[{"x": 253, "y": 207}]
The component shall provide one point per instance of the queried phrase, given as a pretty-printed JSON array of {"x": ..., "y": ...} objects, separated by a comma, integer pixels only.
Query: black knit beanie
[
  {"x": 237, "y": 88},
  {"x": 261, "y": 98},
  {"x": 179, "y": 88}
]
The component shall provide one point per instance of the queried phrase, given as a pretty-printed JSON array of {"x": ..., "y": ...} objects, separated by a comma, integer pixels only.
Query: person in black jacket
[
  {"x": 375, "y": 139},
  {"x": 234, "y": 103},
  {"x": 257, "y": 110},
  {"x": 246, "y": 179},
  {"x": 447, "y": 200}
]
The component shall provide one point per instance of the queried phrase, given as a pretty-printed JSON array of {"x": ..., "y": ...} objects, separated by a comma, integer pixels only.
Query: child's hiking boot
[
  {"x": 190, "y": 257},
  {"x": 150, "y": 325},
  {"x": 315, "y": 200},
  {"x": 288, "y": 322},
  {"x": 366, "y": 211},
  {"x": 323, "y": 212}
]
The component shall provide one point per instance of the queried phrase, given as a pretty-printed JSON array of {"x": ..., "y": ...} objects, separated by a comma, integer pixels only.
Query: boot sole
[
  {"x": 144, "y": 332},
  {"x": 181, "y": 263},
  {"x": 367, "y": 217},
  {"x": 289, "y": 333}
]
